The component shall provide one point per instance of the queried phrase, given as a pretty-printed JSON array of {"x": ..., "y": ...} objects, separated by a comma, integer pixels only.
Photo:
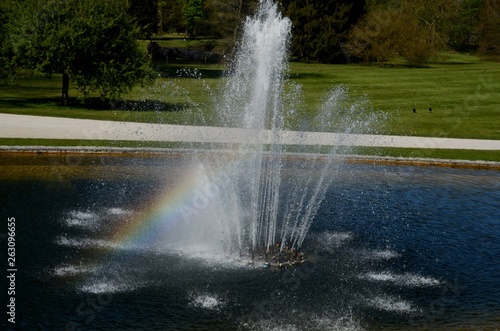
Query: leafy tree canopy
[
  {"x": 489, "y": 29},
  {"x": 7, "y": 67},
  {"x": 146, "y": 15},
  {"x": 382, "y": 35},
  {"x": 225, "y": 17},
  {"x": 91, "y": 42},
  {"x": 320, "y": 26},
  {"x": 192, "y": 12}
]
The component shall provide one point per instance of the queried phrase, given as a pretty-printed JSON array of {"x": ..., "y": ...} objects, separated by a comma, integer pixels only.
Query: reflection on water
[{"x": 403, "y": 248}]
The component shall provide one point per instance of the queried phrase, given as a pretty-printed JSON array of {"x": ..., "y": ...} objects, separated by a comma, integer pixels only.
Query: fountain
[
  {"x": 157, "y": 241},
  {"x": 255, "y": 215}
]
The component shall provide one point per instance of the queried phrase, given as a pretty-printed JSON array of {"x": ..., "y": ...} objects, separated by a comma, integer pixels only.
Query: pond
[{"x": 391, "y": 247}]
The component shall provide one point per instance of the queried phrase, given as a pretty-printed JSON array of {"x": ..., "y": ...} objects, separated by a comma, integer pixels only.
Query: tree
[
  {"x": 489, "y": 29},
  {"x": 146, "y": 15},
  {"x": 464, "y": 26},
  {"x": 90, "y": 42},
  {"x": 319, "y": 27},
  {"x": 192, "y": 13},
  {"x": 224, "y": 20},
  {"x": 383, "y": 34},
  {"x": 415, "y": 50},
  {"x": 4, "y": 48},
  {"x": 374, "y": 38},
  {"x": 435, "y": 15},
  {"x": 225, "y": 17},
  {"x": 7, "y": 63},
  {"x": 171, "y": 16}
]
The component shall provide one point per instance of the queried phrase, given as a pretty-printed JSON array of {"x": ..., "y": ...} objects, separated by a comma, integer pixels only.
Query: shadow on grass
[
  {"x": 30, "y": 102},
  {"x": 94, "y": 104}
]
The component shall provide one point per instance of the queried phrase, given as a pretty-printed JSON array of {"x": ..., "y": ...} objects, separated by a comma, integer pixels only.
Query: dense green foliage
[
  {"x": 489, "y": 28},
  {"x": 146, "y": 15},
  {"x": 192, "y": 12},
  {"x": 319, "y": 27},
  {"x": 221, "y": 19},
  {"x": 91, "y": 42},
  {"x": 463, "y": 34},
  {"x": 336, "y": 31},
  {"x": 384, "y": 33},
  {"x": 7, "y": 65},
  {"x": 332, "y": 31},
  {"x": 225, "y": 17}
]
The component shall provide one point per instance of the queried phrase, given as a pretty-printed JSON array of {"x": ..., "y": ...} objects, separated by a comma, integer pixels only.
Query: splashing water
[{"x": 250, "y": 211}]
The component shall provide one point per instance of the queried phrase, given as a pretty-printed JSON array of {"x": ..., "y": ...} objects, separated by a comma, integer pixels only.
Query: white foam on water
[
  {"x": 380, "y": 255},
  {"x": 91, "y": 243},
  {"x": 335, "y": 239},
  {"x": 86, "y": 243},
  {"x": 270, "y": 325},
  {"x": 82, "y": 219},
  {"x": 118, "y": 211},
  {"x": 81, "y": 223},
  {"x": 382, "y": 276},
  {"x": 313, "y": 322},
  {"x": 417, "y": 280},
  {"x": 83, "y": 215},
  {"x": 211, "y": 258},
  {"x": 407, "y": 279},
  {"x": 391, "y": 304},
  {"x": 344, "y": 323},
  {"x": 91, "y": 220},
  {"x": 206, "y": 301},
  {"x": 100, "y": 287},
  {"x": 71, "y": 270},
  {"x": 330, "y": 241}
]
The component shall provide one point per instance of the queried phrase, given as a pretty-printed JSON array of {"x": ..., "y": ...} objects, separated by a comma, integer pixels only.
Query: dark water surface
[{"x": 392, "y": 247}]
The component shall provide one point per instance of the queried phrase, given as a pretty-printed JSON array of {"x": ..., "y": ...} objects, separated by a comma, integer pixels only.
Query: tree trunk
[
  {"x": 239, "y": 14},
  {"x": 159, "y": 28},
  {"x": 65, "y": 89}
]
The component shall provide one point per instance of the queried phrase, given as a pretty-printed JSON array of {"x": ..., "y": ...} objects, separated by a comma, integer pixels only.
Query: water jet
[{"x": 256, "y": 213}]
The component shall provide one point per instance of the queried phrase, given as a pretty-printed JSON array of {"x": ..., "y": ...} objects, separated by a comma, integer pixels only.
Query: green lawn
[{"x": 462, "y": 90}]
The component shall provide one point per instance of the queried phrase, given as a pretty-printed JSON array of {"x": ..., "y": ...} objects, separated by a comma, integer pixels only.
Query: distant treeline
[{"x": 334, "y": 31}]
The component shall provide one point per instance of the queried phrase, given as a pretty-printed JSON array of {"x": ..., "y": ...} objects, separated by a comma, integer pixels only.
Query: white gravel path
[{"x": 25, "y": 126}]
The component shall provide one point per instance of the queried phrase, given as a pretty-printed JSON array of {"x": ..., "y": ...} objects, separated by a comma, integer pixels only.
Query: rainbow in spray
[{"x": 182, "y": 215}]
